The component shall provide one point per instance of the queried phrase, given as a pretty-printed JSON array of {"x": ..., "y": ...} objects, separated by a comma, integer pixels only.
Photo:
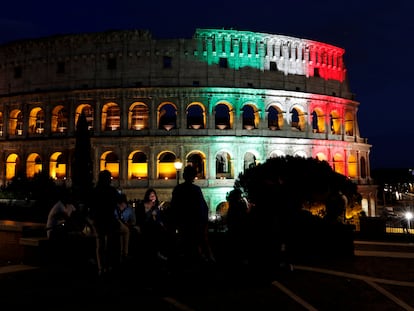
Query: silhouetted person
[
  {"x": 237, "y": 229},
  {"x": 152, "y": 229},
  {"x": 189, "y": 216},
  {"x": 102, "y": 214}
]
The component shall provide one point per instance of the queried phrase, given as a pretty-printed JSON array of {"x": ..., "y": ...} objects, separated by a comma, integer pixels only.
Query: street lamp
[
  {"x": 408, "y": 217},
  {"x": 178, "y": 166}
]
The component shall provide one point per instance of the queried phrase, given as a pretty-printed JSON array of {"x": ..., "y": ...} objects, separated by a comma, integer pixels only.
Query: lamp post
[
  {"x": 178, "y": 166},
  {"x": 408, "y": 216}
]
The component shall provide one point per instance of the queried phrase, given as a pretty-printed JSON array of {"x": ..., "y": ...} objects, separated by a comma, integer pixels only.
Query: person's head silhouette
[
  {"x": 189, "y": 173},
  {"x": 104, "y": 177}
]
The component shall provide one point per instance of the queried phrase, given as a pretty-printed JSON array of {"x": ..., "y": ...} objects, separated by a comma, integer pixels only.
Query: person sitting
[
  {"x": 151, "y": 221},
  {"x": 125, "y": 214},
  {"x": 58, "y": 225},
  {"x": 64, "y": 229}
]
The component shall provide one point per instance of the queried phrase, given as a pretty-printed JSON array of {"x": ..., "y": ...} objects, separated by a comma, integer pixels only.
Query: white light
[
  {"x": 409, "y": 215},
  {"x": 178, "y": 165}
]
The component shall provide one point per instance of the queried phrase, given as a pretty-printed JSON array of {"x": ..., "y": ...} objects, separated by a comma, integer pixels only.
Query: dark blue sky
[{"x": 377, "y": 37}]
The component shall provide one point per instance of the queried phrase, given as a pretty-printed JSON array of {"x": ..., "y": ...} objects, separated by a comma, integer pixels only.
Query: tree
[
  {"x": 278, "y": 190},
  {"x": 82, "y": 168}
]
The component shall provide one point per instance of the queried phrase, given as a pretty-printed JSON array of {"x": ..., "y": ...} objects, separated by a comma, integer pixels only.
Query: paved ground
[{"x": 380, "y": 277}]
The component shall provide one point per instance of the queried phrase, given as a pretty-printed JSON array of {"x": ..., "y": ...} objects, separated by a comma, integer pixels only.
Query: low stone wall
[{"x": 11, "y": 232}]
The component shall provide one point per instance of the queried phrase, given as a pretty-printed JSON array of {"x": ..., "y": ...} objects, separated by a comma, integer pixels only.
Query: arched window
[
  {"x": 335, "y": 123},
  {"x": 276, "y": 154},
  {"x": 167, "y": 118},
  {"x": 249, "y": 160},
  {"x": 33, "y": 165},
  {"x": 137, "y": 166},
  {"x": 198, "y": 161},
  {"x": 250, "y": 117},
  {"x": 195, "y": 117},
  {"x": 223, "y": 165},
  {"x": 16, "y": 122},
  {"x": 37, "y": 121},
  {"x": 110, "y": 162},
  {"x": 321, "y": 156},
  {"x": 138, "y": 117},
  {"x": 59, "y": 119},
  {"x": 338, "y": 164},
  {"x": 222, "y": 117},
  {"x": 349, "y": 124},
  {"x": 88, "y": 111},
  {"x": 57, "y": 166},
  {"x": 274, "y": 118},
  {"x": 12, "y": 166},
  {"x": 166, "y": 169},
  {"x": 111, "y": 117},
  {"x": 352, "y": 166},
  {"x": 298, "y": 119}
]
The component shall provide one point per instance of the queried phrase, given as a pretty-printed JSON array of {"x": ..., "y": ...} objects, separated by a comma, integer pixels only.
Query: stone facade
[{"x": 223, "y": 100}]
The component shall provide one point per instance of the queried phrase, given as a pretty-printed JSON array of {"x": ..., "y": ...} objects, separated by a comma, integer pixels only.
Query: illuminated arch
[
  {"x": 276, "y": 154},
  {"x": 300, "y": 153},
  {"x": 167, "y": 116},
  {"x": 249, "y": 160},
  {"x": 298, "y": 120},
  {"x": 59, "y": 121},
  {"x": 335, "y": 121},
  {"x": 197, "y": 159},
  {"x": 88, "y": 111},
  {"x": 223, "y": 116},
  {"x": 318, "y": 121},
  {"x": 196, "y": 116},
  {"x": 12, "y": 166},
  {"x": 349, "y": 123},
  {"x": 110, "y": 161},
  {"x": 321, "y": 156},
  {"x": 250, "y": 116},
  {"x": 274, "y": 117},
  {"x": 111, "y": 117},
  {"x": 138, "y": 116},
  {"x": 137, "y": 165},
  {"x": 338, "y": 163},
  {"x": 57, "y": 166},
  {"x": 165, "y": 167},
  {"x": 352, "y": 166},
  {"x": 33, "y": 165},
  {"x": 224, "y": 165},
  {"x": 36, "y": 121},
  {"x": 16, "y": 122}
]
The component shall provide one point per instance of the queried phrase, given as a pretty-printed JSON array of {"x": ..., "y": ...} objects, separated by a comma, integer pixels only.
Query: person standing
[
  {"x": 189, "y": 217},
  {"x": 237, "y": 225},
  {"x": 102, "y": 214}
]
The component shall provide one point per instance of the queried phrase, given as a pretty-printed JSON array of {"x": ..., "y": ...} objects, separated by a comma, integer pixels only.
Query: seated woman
[{"x": 59, "y": 223}]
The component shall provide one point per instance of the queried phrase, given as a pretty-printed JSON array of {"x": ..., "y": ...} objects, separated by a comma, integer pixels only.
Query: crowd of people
[{"x": 147, "y": 231}]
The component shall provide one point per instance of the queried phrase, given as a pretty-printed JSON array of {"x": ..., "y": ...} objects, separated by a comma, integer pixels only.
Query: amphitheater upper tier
[{"x": 225, "y": 58}]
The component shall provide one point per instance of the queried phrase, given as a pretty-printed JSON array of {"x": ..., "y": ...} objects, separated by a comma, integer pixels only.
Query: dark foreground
[{"x": 358, "y": 283}]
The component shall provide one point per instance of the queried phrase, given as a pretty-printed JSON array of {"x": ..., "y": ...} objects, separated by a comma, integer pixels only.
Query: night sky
[{"x": 377, "y": 37}]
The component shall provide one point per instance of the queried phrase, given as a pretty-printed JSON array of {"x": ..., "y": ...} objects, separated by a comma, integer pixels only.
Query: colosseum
[{"x": 223, "y": 100}]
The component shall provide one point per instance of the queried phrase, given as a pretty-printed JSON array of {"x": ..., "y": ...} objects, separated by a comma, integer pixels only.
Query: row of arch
[
  {"x": 166, "y": 116},
  {"x": 138, "y": 164}
]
